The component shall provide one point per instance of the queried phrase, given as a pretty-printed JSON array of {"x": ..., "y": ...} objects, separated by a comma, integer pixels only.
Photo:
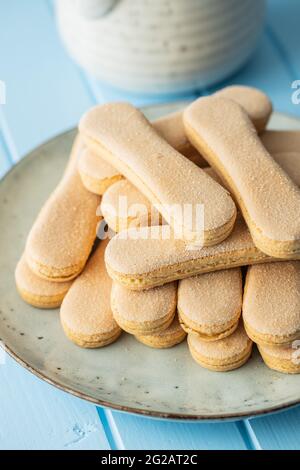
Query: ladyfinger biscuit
[
  {"x": 223, "y": 355},
  {"x": 157, "y": 249},
  {"x": 85, "y": 314},
  {"x": 210, "y": 305},
  {"x": 146, "y": 257},
  {"x": 290, "y": 163},
  {"x": 118, "y": 132},
  {"x": 146, "y": 312},
  {"x": 271, "y": 305},
  {"x": 97, "y": 175},
  {"x": 36, "y": 291},
  {"x": 268, "y": 198},
  {"x": 137, "y": 210},
  {"x": 167, "y": 338},
  {"x": 284, "y": 359},
  {"x": 256, "y": 104},
  {"x": 124, "y": 206},
  {"x": 281, "y": 141},
  {"x": 171, "y": 129},
  {"x": 63, "y": 234}
]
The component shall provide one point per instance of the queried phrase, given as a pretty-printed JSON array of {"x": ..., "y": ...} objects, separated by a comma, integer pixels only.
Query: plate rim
[{"x": 174, "y": 416}]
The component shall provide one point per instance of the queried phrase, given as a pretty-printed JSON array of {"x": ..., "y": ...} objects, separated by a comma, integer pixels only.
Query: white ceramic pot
[{"x": 160, "y": 46}]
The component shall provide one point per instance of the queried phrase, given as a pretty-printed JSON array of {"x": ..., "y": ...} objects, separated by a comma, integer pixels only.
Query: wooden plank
[
  {"x": 146, "y": 433},
  {"x": 45, "y": 91},
  {"x": 45, "y": 95},
  {"x": 279, "y": 431},
  {"x": 34, "y": 415},
  {"x": 4, "y": 160}
]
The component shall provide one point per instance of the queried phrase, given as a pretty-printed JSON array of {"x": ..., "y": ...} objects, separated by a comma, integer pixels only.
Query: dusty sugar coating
[
  {"x": 167, "y": 338},
  {"x": 173, "y": 329},
  {"x": 137, "y": 261},
  {"x": 284, "y": 359},
  {"x": 140, "y": 211},
  {"x": 137, "y": 210},
  {"x": 271, "y": 303},
  {"x": 36, "y": 291},
  {"x": 223, "y": 349},
  {"x": 89, "y": 162},
  {"x": 144, "y": 306},
  {"x": 233, "y": 148},
  {"x": 124, "y": 189},
  {"x": 30, "y": 282},
  {"x": 86, "y": 311},
  {"x": 118, "y": 132},
  {"x": 171, "y": 129},
  {"x": 98, "y": 175},
  {"x": 211, "y": 300},
  {"x": 256, "y": 104},
  {"x": 280, "y": 352},
  {"x": 290, "y": 163},
  {"x": 281, "y": 141},
  {"x": 63, "y": 234}
]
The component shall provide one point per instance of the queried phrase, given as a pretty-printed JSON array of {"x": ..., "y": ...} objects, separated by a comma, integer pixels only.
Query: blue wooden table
[{"x": 46, "y": 94}]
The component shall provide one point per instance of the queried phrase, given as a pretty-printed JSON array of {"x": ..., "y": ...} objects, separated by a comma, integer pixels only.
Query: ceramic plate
[{"x": 126, "y": 375}]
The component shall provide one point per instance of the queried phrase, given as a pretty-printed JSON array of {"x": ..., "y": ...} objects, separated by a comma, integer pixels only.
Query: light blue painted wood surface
[
  {"x": 34, "y": 415},
  {"x": 5, "y": 163},
  {"x": 40, "y": 103},
  {"x": 279, "y": 431},
  {"x": 131, "y": 432},
  {"x": 46, "y": 93}
]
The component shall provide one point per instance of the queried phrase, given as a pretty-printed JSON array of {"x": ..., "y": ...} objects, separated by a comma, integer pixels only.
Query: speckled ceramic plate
[{"x": 126, "y": 375}]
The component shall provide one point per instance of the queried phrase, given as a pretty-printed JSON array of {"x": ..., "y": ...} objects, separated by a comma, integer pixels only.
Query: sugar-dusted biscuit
[
  {"x": 145, "y": 312},
  {"x": 271, "y": 305},
  {"x": 281, "y": 141},
  {"x": 144, "y": 258},
  {"x": 36, "y": 291},
  {"x": 162, "y": 267},
  {"x": 167, "y": 338},
  {"x": 124, "y": 206},
  {"x": 269, "y": 200},
  {"x": 223, "y": 355},
  {"x": 290, "y": 163},
  {"x": 284, "y": 359},
  {"x": 210, "y": 305},
  {"x": 63, "y": 234},
  {"x": 85, "y": 314},
  {"x": 256, "y": 104},
  {"x": 120, "y": 134},
  {"x": 171, "y": 129},
  {"x": 96, "y": 174}
]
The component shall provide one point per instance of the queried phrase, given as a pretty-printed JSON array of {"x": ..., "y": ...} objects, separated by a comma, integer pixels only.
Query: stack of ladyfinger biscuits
[{"x": 157, "y": 273}]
